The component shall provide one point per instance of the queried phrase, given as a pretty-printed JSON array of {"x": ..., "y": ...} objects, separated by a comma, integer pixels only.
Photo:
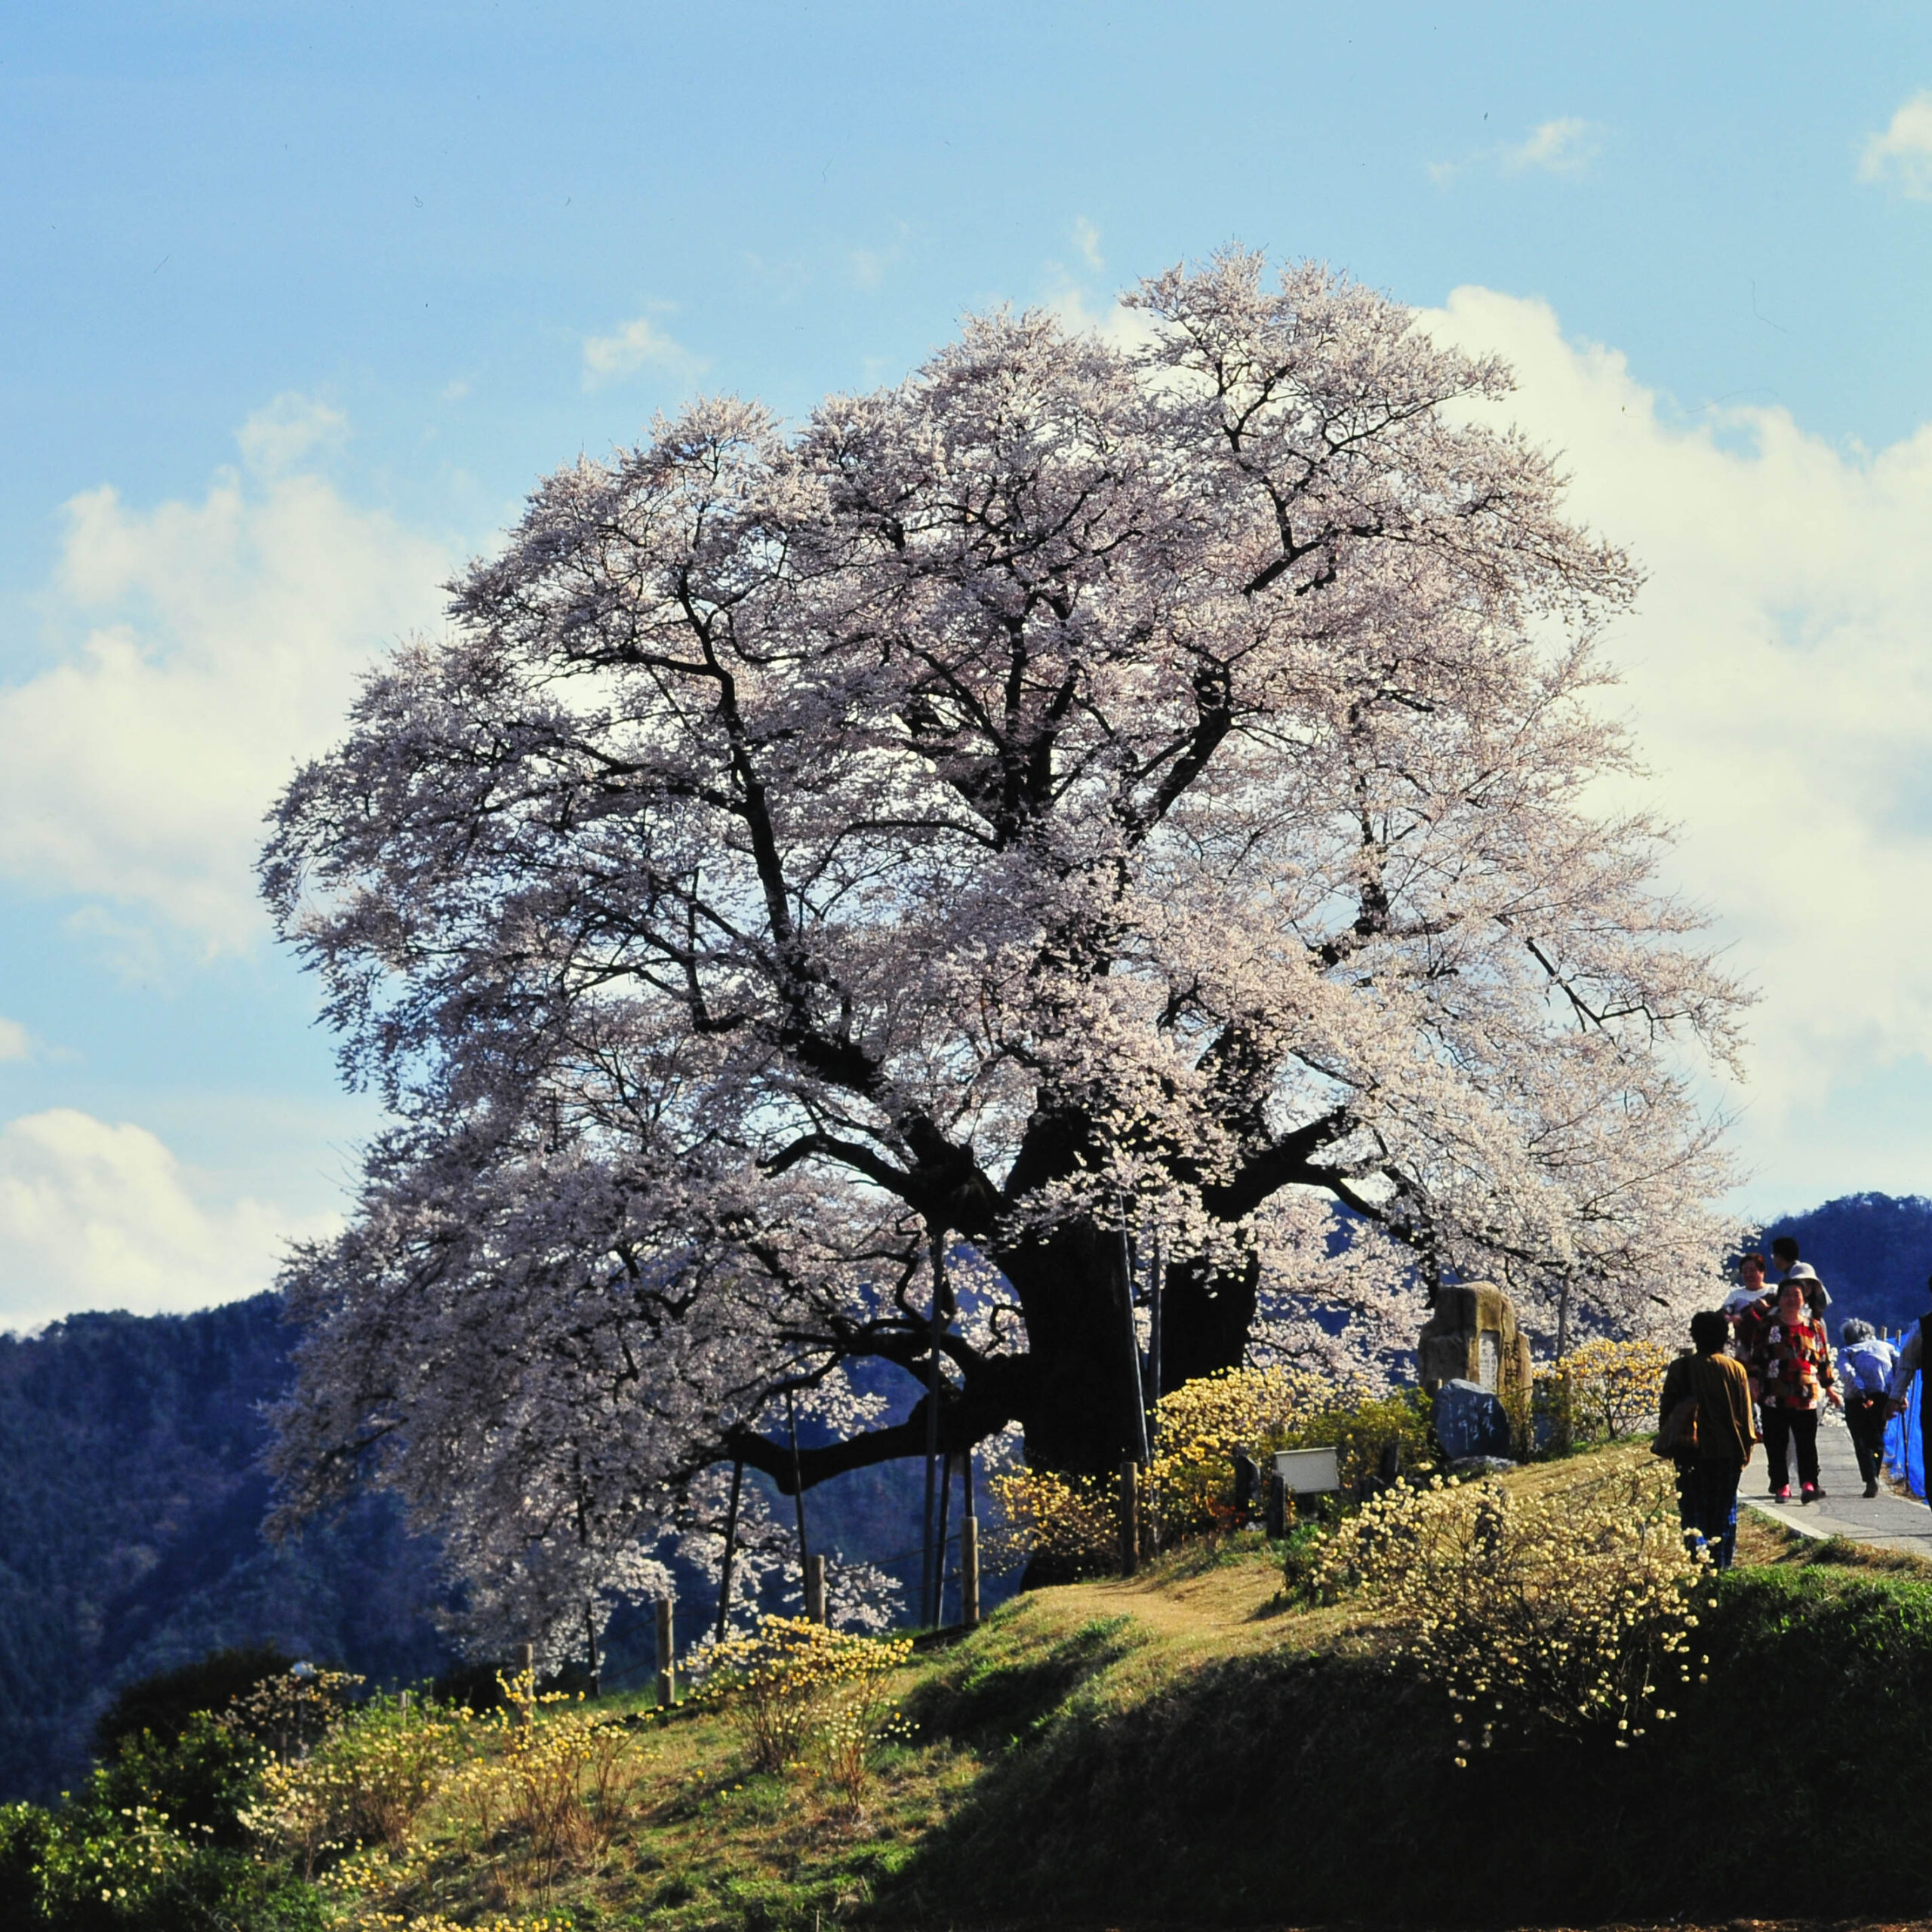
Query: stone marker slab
[{"x": 1470, "y": 1420}]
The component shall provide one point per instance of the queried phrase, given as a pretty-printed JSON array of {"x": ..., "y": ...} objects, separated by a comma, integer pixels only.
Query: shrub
[
  {"x": 1072, "y": 1522},
  {"x": 202, "y": 1782},
  {"x": 1570, "y": 1615},
  {"x": 164, "y": 1703},
  {"x": 1600, "y": 1391},
  {"x": 290, "y": 1714},
  {"x": 801, "y": 1690},
  {"x": 97, "y": 1864},
  {"x": 363, "y": 1780}
]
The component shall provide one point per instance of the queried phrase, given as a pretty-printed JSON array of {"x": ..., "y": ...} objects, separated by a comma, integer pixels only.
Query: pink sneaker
[{"x": 1782, "y": 1495}]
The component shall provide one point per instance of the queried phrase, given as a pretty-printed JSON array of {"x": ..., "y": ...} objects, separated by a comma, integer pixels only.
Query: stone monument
[{"x": 1471, "y": 1338}]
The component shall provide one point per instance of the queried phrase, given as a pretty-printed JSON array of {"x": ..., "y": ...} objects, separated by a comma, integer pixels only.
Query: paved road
[{"x": 1889, "y": 1520}]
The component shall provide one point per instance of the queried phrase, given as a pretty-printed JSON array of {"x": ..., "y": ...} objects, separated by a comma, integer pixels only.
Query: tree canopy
[{"x": 1081, "y": 798}]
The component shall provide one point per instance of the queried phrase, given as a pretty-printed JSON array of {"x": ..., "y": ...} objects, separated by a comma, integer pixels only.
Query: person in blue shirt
[{"x": 1866, "y": 1364}]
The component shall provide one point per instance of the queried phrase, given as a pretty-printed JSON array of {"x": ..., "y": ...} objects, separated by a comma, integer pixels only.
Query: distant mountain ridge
[
  {"x": 132, "y": 1500},
  {"x": 131, "y": 1506},
  {"x": 1873, "y": 1251}
]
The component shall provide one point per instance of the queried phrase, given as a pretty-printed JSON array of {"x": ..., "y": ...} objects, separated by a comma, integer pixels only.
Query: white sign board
[{"x": 1307, "y": 1472}]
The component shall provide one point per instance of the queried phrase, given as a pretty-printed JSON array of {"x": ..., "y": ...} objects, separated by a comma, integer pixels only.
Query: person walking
[
  {"x": 1784, "y": 1258},
  {"x": 1749, "y": 1306},
  {"x": 1718, "y": 1393},
  {"x": 1791, "y": 1367},
  {"x": 1865, "y": 1365}
]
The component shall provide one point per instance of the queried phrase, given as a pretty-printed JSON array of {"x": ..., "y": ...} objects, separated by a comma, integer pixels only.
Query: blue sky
[{"x": 301, "y": 301}]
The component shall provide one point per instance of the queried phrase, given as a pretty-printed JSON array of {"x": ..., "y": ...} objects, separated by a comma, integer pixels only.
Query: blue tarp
[{"x": 1905, "y": 1444}]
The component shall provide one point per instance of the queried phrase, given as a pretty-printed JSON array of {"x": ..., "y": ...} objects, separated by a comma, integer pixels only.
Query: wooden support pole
[
  {"x": 1130, "y": 1518},
  {"x": 667, "y": 1654},
  {"x": 929, "y": 1567},
  {"x": 731, "y": 1546},
  {"x": 797, "y": 1484},
  {"x": 945, "y": 1511},
  {"x": 815, "y": 1589},
  {"x": 969, "y": 1570},
  {"x": 1136, "y": 1395}
]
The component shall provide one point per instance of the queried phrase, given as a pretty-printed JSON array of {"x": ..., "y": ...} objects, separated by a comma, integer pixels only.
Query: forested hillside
[
  {"x": 130, "y": 1511},
  {"x": 129, "y": 1536},
  {"x": 1874, "y": 1251}
]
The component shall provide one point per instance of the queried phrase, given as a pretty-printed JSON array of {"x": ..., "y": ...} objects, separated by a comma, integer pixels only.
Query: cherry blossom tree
[{"x": 837, "y": 896}]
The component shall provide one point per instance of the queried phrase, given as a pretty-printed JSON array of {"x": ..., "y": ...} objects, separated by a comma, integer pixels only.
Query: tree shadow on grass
[
  {"x": 991, "y": 1699},
  {"x": 1300, "y": 1787}
]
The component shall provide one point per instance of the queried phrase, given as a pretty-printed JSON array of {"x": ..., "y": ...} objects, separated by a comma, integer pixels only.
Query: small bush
[
  {"x": 202, "y": 1782},
  {"x": 96, "y": 1863},
  {"x": 1566, "y": 1615},
  {"x": 164, "y": 1703},
  {"x": 1599, "y": 1391},
  {"x": 803, "y": 1692}
]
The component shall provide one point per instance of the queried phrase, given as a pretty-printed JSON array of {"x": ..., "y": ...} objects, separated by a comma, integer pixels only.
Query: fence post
[
  {"x": 1275, "y": 1519},
  {"x": 667, "y": 1668},
  {"x": 815, "y": 1589},
  {"x": 526, "y": 1666},
  {"x": 1130, "y": 1519},
  {"x": 969, "y": 1570}
]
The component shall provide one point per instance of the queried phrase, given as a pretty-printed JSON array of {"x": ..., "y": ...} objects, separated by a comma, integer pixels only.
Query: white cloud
[
  {"x": 1901, "y": 156},
  {"x": 15, "y": 1042},
  {"x": 218, "y": 644},
  {"x": 1565, "y": 145},
  {"x": 1777, "y": 675},
  {"x": 636, "y": 345},
  {"x": 1127, "y": 330},
  {"x": 291, "y": 428},
  {"x": 1086, "y": 239},
  {"x": 99, "y": 1216}
]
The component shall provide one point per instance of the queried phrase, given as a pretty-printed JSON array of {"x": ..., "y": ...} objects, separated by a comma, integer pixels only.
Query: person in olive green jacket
[{"x": 1709, "y": 1463}]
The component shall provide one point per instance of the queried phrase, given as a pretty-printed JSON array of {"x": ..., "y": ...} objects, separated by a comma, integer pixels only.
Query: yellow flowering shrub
[
  {"x": 1071, "y": 1523},
  {"x": 364, "y": 1782},
  {"x": 1202, "y": 1425},
  {"x": 435, "y": 1921},
  {"x": 1573, "y": 1613},
  {"x": 802, "y": 1691},
  {"x": 1188, "y": 1489},
  {"x": 1602, "y": 1390},
  {"x": 538, "y": 1794}
]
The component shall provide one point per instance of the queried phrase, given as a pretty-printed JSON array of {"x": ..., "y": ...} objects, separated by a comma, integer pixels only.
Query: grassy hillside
[
  {"x": 1194, "y": 1747},
  {"x": 1198, "y": 1746}
]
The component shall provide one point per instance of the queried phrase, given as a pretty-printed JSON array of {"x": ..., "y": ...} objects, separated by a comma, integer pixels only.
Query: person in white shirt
[{"x": 1866, "y": 1364}]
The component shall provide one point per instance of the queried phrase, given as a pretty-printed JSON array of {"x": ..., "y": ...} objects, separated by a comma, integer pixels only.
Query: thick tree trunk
[
  {"x": 1205, "y": 1319},
  {"x": 1074, "y": 1392},
  {"x": 1079, "y": 1415}
]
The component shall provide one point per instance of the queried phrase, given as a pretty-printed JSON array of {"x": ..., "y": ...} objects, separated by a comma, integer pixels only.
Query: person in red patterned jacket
[{"x": 1791, "y": 1366}]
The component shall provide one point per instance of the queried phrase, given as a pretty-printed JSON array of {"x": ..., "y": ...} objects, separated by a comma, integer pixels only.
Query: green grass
[{"x": 1194, "y": 1748}]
